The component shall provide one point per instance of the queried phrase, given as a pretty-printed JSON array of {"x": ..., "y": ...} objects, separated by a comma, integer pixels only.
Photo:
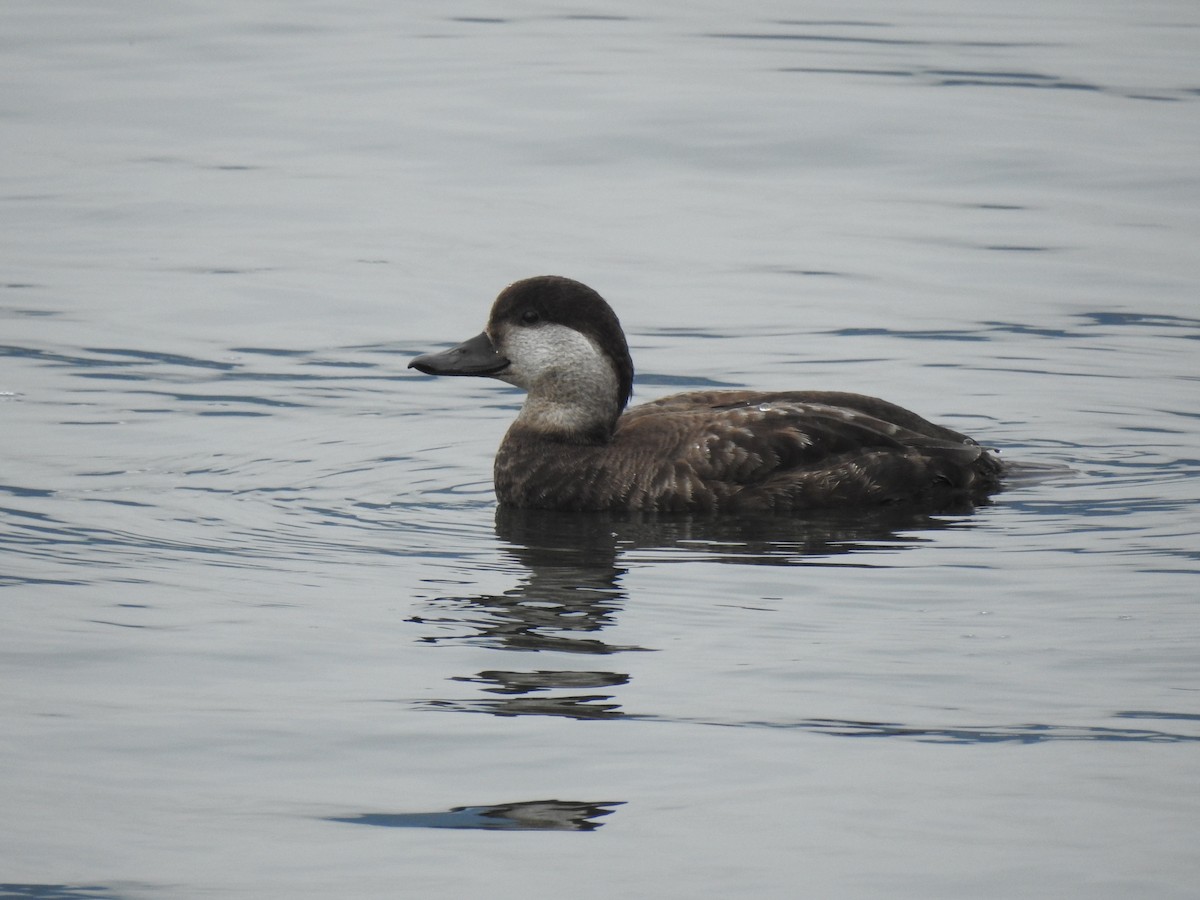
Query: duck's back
[{"x": 721, "y": 451}]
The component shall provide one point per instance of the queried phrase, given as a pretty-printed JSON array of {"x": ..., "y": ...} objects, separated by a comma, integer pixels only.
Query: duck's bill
[{"x": 474, "y": 357}]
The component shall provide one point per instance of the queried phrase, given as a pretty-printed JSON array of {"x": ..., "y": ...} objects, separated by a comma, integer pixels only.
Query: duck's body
[
  {"x": 575, "y": 447},
  {"x": 744, "y": 451}
]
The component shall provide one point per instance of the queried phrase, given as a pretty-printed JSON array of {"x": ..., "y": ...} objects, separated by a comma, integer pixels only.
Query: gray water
[{"x": 263, "y": 632}]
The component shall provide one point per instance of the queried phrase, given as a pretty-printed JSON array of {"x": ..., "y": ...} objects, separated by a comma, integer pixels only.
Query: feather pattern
[{"x": 741, "y": 451}]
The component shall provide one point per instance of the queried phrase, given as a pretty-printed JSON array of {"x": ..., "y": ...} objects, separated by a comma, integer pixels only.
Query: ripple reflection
[
  {"x": 528, "y": 815},
  {"x": 572, "y": 591}
]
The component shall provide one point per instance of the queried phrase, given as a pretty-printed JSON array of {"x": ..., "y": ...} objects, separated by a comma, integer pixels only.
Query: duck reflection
[
  {"x": 569, "y": 595},
  {"x": 527, "y": 815},
  {"x": 572, "y": 591},
  {"x": 539, "y": 539},
  {"x": 525, "y": 694}
]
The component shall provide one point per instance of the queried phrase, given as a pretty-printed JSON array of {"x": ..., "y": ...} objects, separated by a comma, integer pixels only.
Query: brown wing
[
  {"x": 873, "y": 407},
  {"x": 793, "y": 450}
]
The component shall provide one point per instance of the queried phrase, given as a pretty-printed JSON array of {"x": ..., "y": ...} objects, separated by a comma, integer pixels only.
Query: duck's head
[{"x": 559, "y": 341}]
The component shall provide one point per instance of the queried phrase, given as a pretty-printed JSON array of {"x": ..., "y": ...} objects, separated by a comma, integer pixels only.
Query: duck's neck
[{"x": 578, "y": 409}]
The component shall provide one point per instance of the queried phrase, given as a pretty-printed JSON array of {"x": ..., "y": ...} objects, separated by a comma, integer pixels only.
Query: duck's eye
[{"x": 530, "y": 317}]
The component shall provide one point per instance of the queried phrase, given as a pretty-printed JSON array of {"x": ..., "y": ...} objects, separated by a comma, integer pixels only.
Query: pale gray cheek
[
  {"x": 549, "y": 351},
  {"x": 529, "y": 356}
]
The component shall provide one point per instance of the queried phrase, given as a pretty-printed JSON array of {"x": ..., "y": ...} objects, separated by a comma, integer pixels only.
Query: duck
[{"x": 577, "y": 446}]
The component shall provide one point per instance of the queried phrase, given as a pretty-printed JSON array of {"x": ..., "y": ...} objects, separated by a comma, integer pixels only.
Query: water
[{"x": 264, "y": 634}]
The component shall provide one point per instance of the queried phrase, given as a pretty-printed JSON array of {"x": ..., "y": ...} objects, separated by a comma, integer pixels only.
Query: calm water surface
[{"x": 263, "y": 632}]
